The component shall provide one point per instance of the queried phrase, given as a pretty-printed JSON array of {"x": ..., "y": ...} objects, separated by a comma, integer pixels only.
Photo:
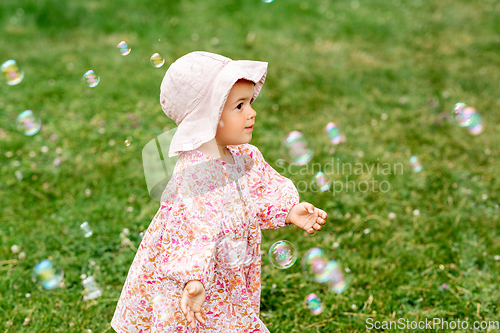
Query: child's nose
[{"x": 253, "y": 112}]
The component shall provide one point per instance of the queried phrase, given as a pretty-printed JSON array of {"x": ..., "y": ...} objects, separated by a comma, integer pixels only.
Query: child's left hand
[{"x": 305, "y": 216}]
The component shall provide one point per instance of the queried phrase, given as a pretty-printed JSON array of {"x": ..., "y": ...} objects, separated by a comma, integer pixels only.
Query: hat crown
[{"x": 187, "y": 81}]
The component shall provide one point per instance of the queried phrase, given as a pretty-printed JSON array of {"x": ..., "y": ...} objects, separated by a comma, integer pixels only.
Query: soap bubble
[
  {"x": 333, "y": 133},
  {"x": 314, "y": 304},
  {"x": 11, "y": 73},
  {"x": 127, "y": 142},
  {"x": 461, "y": 114},
  {"x": 87, "y": 232},
  {"x": 92, "y": 289},
  {"x": 282, "y": 254},
  {"x": 321, "y": 182},
  {"x": 415, "y": 164},
  {"x": 233, "y": 253},
  {"x": 28, "y": 123},
  {"x": 316, "y": 265},
  {"x": 338, "y": 280},
  {"x": 156, "y": 60},
  {"x": 267, "y": 1},
  {"x": 46, "y": 275},
  {"x": 476, "y": 124},
  {"x": 294, "y": 149},
  {"x": 91, "y": 79},
  {"x": 123, "y": 47}
]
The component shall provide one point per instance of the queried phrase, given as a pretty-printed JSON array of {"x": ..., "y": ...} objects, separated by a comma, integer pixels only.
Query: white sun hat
[{"x": 194, "y": 91}]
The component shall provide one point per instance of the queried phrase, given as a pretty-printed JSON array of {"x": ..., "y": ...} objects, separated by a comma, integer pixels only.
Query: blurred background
[{"x": 387, "y": 73}]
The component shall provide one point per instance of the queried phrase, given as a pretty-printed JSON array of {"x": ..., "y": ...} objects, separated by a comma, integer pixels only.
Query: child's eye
[
  {"x": 251, "y": 101},
  {"x": 239, "y": 106}
]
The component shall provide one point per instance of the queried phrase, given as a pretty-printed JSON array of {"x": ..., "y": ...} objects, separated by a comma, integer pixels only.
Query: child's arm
[
  {"x": 276, "y": 194},
  {"x": 193, "y": 297}
]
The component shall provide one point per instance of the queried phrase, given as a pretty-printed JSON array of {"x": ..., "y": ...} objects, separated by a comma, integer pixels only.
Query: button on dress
[{"x": 208, "y": 228}]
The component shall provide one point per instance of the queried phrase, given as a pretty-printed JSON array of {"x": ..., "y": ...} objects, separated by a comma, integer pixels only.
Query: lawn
[{"x": 417, "y": 245}]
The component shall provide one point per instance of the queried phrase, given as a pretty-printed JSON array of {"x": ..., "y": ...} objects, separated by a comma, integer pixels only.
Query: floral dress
[{"x": 208, "y": 228}]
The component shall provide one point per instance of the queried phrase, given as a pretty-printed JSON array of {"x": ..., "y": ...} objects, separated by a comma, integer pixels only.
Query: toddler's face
[{"x": 238, "y": 117}]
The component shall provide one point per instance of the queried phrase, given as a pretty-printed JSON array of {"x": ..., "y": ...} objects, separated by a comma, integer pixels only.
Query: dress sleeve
[
  {"x": 276, "y": 194},
  {"x": 189, "y": 237}
]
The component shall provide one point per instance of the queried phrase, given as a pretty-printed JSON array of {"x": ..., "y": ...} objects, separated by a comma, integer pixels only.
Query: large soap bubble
[
  {"x": 28, "y": 123},
  {"x": 11, "y": 73},
  {"x": 282, "y": 254},
  {"x": 295, "y": 149}
]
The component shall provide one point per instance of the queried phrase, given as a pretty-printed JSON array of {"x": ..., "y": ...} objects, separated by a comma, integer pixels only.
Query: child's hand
[
  {"x": 304, "y": 215},
  {"x": 193, "y": 297}
]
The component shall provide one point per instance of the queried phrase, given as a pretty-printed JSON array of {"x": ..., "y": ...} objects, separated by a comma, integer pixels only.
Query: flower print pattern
[{"x": 206, "y": 201}]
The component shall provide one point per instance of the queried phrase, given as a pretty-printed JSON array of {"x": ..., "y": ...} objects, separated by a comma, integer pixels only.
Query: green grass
[{"x": 345, "y": 61}]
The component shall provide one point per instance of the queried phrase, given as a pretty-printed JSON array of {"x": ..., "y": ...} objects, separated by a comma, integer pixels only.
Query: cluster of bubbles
[
  {"x": 28, "y": 122},
  {"x": 463, "y": 115},
  {"x": 295, "y": 148},
  {"x": 282, "y": 254},
  {"x": 49, "y": 276},
  {"x": 92, "y": 80},
  {"x": 316, "y": 265}
]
